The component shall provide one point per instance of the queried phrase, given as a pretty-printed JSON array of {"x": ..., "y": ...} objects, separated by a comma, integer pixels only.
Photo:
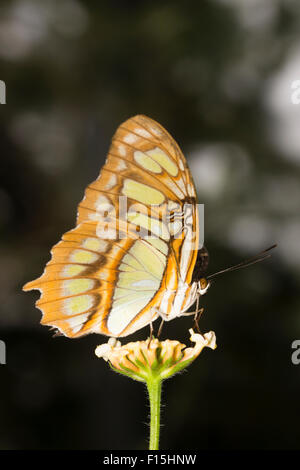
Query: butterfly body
[
  {"x": 132, "y": 254},
  {"x": 176, "y": 302}
]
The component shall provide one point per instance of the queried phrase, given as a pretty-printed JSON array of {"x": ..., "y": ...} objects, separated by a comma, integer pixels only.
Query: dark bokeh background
[{"x": 218, "y": 75}]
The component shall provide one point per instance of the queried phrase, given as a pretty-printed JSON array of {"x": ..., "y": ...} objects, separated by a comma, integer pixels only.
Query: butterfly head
[
  {"x": 199, "y": 271},
  {"x": 203, "y": 285}
]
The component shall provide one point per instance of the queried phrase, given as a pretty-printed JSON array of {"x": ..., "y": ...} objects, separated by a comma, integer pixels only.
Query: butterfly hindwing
[{"x": 96, "y": 285}]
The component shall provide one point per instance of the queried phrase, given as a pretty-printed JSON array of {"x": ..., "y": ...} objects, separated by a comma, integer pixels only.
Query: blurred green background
[{"x": 218, "y": 75}]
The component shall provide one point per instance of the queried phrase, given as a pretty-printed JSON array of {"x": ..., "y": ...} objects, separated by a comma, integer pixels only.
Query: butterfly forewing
[{"x": 111, "y": 272}]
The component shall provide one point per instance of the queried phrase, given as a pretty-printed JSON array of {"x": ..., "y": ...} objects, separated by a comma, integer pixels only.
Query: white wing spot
[
  {"x": 156, "y": 131},
  {"x": 121, "y": 165},
  {"x": 106, "y": 232},
  {"x": 103, "y": 204},
  {"x": 122, "y": 150},
  {"x": 94, "y": 244},
  {"x": 142, "y": 133},
  {"x": 191, "y": 190},
  {"x": 112, "y": 182},
  {"x": 130, "y": 138}
]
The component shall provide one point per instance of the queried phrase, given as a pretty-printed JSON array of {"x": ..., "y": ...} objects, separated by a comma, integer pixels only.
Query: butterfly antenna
[{"x": 248, "y": 262}]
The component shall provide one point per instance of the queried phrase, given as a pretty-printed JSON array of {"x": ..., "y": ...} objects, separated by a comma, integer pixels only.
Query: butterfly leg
[
  {"x": 151, "y": 333},
  {"x": 160, "y": 327},
  {"x": 164, "y": 316},
  {"x": 197, "y": 316}
]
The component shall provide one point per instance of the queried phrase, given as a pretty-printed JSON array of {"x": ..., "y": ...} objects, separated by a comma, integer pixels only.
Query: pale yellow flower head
[{"x": 143, "y": 359}]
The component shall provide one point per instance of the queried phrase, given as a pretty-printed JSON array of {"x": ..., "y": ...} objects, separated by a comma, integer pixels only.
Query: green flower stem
[{"x": 154, "y": 391}]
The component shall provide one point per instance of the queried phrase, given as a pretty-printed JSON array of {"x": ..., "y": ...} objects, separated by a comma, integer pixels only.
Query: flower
[
  {"x": 151, "y": 362},
  {"x": 145, "y": 360}
]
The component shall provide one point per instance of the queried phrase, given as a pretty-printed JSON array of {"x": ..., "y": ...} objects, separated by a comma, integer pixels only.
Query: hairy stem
[{"x": 154, "y": 391}]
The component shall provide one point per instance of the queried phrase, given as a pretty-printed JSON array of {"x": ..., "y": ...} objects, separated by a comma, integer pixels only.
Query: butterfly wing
[
  {"x": 144, "y": 164},
  {"x": 107, "y": 274},
  {"x": 96, "y": 285}
]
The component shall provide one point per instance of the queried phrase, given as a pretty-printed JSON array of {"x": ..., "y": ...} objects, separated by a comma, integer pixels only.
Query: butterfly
[
  {"x": 105, "y": 276},
  {"x": 133, "y": 255}
]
